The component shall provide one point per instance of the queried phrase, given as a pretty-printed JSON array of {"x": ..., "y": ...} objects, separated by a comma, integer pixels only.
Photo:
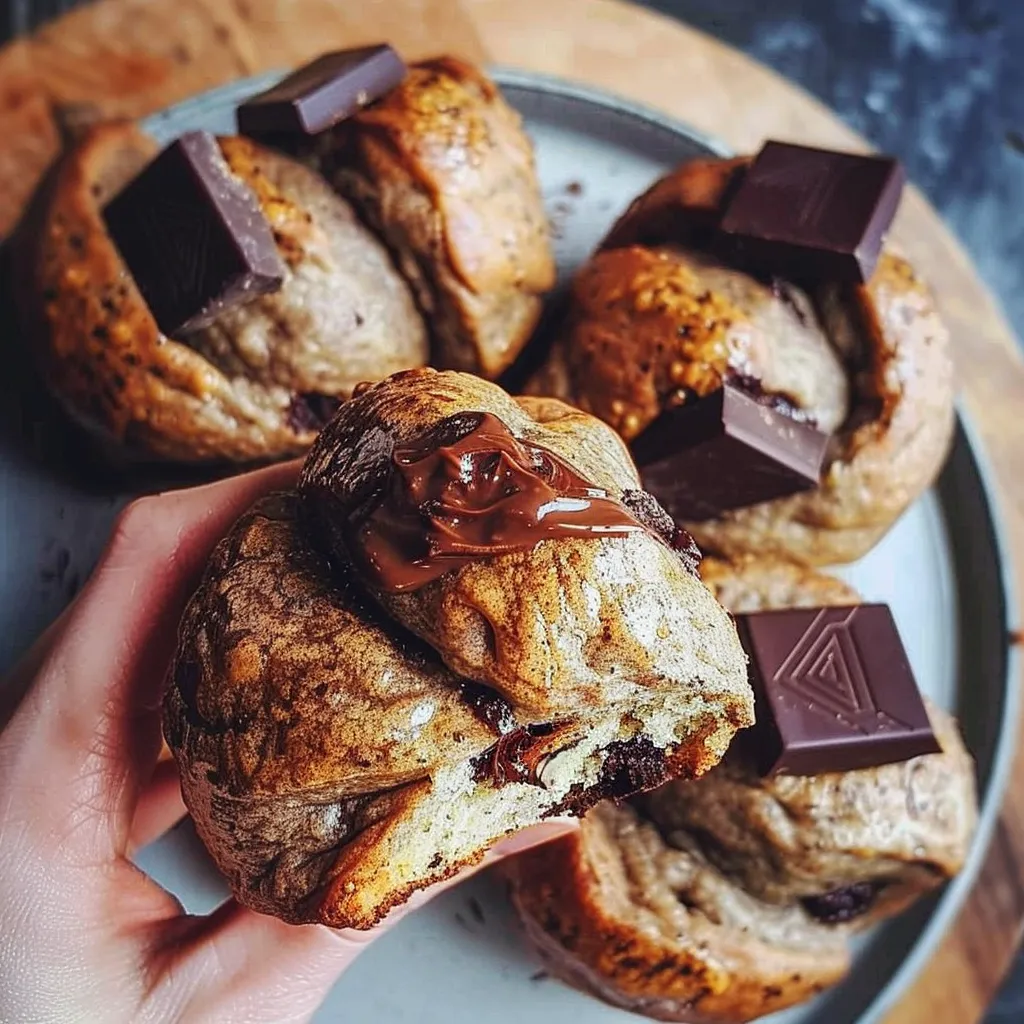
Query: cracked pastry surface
[
  {"x": 260, "y": 381},
  {"x": 335, "y": 762},
  {"x": 733, "y": 896},
  {"x": 442, "y": 167},
  {"x": 654, "y": 322}
]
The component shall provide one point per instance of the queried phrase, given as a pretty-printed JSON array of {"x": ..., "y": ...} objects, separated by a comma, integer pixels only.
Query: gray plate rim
[{"x": 953, "y": 897}]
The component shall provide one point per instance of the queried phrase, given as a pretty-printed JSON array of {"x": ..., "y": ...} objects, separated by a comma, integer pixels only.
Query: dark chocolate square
[
  {"x": 193, "y": 236},
  {"x": 811, "y": 215},
  {"x": 725, "y": 451},
  {"x": 324, "y": 92},
  {"x": 834, "y": 691}
]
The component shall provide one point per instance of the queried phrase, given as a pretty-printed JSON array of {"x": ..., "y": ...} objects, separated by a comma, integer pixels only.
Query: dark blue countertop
[{"x": 940, "y": 83}]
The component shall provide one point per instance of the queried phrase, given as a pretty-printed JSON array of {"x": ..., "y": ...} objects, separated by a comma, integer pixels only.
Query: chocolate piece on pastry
[
  {"x": 442, "y": 168},
  {"x": 657, "y": 322},
  {"x": 733, "y": 896},
  {"x": 467, "y": 620},
  {"x": 258, "y": 382}
]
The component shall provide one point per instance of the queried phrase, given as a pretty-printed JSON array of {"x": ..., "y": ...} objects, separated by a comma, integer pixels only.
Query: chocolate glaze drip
[{"x": 469, "y": 489}]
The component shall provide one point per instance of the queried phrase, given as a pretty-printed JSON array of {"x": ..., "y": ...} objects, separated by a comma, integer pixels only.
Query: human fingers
[
  {"x": 159, "y": 807},
  {"x": 247, "y": 966},
  {"x": 93, "y": 727},
  {"x": 239, "y": 965}
]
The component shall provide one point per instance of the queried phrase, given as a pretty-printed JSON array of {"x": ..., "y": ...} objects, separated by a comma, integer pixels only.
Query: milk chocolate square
[
  {"x": 324, "y": 92},
  {"x": 724, "y": 451},
  {"x": 811, "y": 215},
  {"x": 193, "y": 236},
  {"x": 834, "y": 691}
]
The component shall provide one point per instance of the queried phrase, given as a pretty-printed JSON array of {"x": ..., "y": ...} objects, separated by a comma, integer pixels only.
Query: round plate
[{"x": 460, "y": 959}]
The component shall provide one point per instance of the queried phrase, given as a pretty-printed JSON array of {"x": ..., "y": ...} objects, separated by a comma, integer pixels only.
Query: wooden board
[{"x": 128, "y": 57}]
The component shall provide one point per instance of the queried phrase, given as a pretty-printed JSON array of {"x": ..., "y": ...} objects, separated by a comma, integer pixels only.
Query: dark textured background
[{"x": 940, "y": 83}]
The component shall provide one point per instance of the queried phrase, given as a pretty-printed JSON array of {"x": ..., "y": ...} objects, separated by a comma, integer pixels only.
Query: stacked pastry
[
  {"x": 467, "y": 619},
  {"x": 475, "y": 612},
  {"x": 785, "y": 386},
  {"x": 216, "y": 302},
  {"x": 736, "y": 895}
]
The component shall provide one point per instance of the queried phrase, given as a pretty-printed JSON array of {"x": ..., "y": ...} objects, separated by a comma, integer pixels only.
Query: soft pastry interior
[
  {"x": 342, "y": 746},
  {"x": 733, "y": 896},
  {"x": 653, "y": 327},
  {"x": 262, "y": 378}
]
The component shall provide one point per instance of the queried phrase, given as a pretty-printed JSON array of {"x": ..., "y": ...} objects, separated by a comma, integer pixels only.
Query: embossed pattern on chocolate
[{"x": 834, "y": 690}]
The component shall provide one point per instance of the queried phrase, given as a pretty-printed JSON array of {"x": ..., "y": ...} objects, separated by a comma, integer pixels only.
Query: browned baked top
[
  {"x": 655, "y": 322},
  {"x": 560, "y": 628},
  {"x": 258, "y": 382},
  {"x": 443, "y": 168}
]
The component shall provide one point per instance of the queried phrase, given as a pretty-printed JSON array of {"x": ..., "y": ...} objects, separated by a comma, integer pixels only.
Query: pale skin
[{"x": 84, "y": 934}]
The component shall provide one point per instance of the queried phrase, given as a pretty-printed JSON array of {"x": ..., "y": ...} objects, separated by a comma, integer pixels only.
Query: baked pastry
[
  {"x": 257, "y": 383},
  {"x": 442, "y": 168},
  {"x": 656, "y": 322},
  {"x": 734, "y": 896},
  {"x": 468, "y": 619}
]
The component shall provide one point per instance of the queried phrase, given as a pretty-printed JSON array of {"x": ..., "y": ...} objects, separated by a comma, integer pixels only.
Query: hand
[{"x": 85, "y": 935}]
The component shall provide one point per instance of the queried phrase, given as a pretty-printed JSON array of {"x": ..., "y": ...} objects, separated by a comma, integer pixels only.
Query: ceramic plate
[{"x": 460, "y": 959}]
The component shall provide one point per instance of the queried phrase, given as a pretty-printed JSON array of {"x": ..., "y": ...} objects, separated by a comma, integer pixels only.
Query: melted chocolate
[
  {"x": 469, "y": 489},
  {"x": 842, "y": 905},
  {"x": 311, "y": 411},
  {"x": 632, "y": 766},
  {"x": 515, "y": 757},
  {"x": 490, "y": 707}
]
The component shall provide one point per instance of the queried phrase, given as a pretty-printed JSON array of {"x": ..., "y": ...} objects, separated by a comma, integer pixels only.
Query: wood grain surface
[{"x": 129, "y": 57}]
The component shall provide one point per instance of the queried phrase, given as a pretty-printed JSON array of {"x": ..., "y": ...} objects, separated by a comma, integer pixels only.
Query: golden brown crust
[
  {"x": 226, "y": 394},
  {"x": 564, "y": 626},
  {"x": 442, "y": 167},
  {"x": 687, "y": 903},
  {"x": 645, "y": 328},
  {"x": 651, "y": 328},
  {"x": 576, "y": 900},
  {"x": 332, "y": 761}
]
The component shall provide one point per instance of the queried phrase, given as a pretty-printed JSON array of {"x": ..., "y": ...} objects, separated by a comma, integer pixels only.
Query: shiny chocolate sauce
[
  {"x": 470, "y": 489},
  {"x": 516, "y": 756}
]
